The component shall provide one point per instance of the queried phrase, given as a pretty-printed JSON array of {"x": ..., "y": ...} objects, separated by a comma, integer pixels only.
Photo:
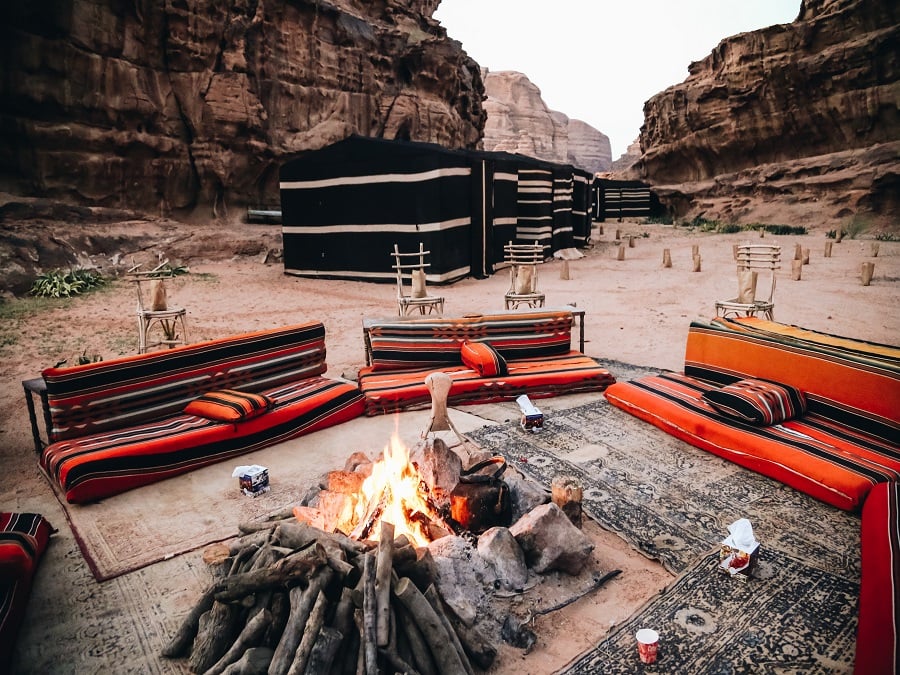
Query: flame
[{"x": 393, "y": 488}]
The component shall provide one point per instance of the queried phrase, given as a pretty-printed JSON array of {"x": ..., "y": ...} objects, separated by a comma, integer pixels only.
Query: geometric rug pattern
[{"x": 674, "y": 502}]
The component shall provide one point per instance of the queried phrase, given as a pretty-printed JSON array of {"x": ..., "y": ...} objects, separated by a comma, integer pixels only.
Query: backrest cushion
[
  {"x": 758, "y": 401},
  {"x": 485, "y": 359},
  {"x": 436, "y": 342},
  {"x": 136, "y": 389},
  {"x": 851, "y": 382},
  {"x": 229, "y": 405},
  {"x": 23, "y": 538}
]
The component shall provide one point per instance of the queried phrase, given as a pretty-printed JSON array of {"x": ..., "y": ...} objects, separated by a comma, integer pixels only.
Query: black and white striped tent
[
  {"x": 623, "y": 199},
  {"x": 345, "y": 206}
]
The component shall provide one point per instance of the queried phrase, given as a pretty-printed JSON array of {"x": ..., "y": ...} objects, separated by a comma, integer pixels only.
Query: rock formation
[
  {"x": 519, "y": 121},
  {"x": 624, "y": 165},
  {"x": 806, "y": 114},
  {"x": 192, "y": 106}
]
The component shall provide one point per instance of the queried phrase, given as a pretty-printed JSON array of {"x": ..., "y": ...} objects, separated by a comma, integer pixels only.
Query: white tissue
[
  {"x": 741, "y": 536},
  {"x": 242, "y": 470}
]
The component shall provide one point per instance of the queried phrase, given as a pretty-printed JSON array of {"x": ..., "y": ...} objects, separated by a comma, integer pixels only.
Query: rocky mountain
[
  {"x": 519, "y": 121},
  {"x": 189, "y": 107},
  {"x": 804, "y": 117},
  {"x": 625, "y": 164}
]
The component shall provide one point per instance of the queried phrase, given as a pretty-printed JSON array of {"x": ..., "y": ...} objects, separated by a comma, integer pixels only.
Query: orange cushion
[
  {"x": 229, "y": 405},
  {"x": 485, "y": 359}
]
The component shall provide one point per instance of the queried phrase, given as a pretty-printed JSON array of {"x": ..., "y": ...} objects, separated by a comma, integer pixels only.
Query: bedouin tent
[
  {"x": 623, "y": 199},
  {"x": 346, "y": 205}
]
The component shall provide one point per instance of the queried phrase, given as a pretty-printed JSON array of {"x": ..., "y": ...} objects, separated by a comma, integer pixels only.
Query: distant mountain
[{"x": 519, "y": 121}]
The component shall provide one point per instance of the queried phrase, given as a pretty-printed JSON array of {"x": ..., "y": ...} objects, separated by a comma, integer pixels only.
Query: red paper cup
[{"x": 648, "y": 643}]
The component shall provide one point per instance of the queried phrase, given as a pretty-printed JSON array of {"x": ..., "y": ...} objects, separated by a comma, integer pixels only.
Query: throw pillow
[
  {"x": 229, "y": 405},
  {"x": 484, "y": 358},
  {"x": 758, "y": 401}
]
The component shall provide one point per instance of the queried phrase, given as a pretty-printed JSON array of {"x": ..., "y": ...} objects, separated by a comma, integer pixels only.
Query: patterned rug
[{"x": 674, "y": 502}]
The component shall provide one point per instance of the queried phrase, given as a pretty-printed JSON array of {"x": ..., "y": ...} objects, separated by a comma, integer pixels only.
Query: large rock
[
  {"x": 519, "y": 121},
  {"x": 175, "y": 107},
  {"x": 551, "y": 542},
  {"x": 807, "y": 114}
]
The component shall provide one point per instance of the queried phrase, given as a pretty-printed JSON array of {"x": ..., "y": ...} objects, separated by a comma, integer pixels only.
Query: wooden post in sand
[
  {"x": 874, "y": 249},
  {"x": 667, "y": 258},
  {"x": 805, "y": 257},
  {"x": 630, "y": 241},
  {"x": 839, "y": 235},
  {"x": 621, "y": 255},
  {"x": 796, "y": 269},
  {"x": 798, "y": 252},
  {"x": 868, "y": 269},
  {"x": 564, "y": 270},
  {"x": 697, "y": 262},
  {"x": 695, "y": 250},
  {"x": 828, "y": 245},
  {"x": 618, "y": 235},
  {"x": 566, "y": 492}
]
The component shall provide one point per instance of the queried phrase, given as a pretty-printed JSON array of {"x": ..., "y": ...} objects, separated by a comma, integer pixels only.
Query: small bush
[
  {"x": 658, "y": 220},
  {"x": 887, "y": 236},
  {"x": 60, "y": 284},
  {"x": 856, "y": 226}
]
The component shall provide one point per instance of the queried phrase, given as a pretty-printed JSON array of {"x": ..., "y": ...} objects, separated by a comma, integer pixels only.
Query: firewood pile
[{"x": 289, "y": 598}]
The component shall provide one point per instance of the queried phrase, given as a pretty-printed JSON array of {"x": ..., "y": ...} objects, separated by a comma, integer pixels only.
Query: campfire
[{"x": 378, "y": 570}]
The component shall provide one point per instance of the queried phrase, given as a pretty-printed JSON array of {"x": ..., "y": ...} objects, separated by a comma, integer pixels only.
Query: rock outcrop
[
  {"x": 807, "y": 114},
  {"x": 192, "y": 106},
  {"x": 625, "y": 164},
  {"x": 519, "y": 121}
]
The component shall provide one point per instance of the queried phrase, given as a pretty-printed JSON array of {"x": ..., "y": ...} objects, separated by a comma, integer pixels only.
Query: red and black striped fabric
[
  {"x": 435, "y": 342},
  {"x": 229, "y": 405},
  {"x": 834, "y": 463},
  {"x": 109, "y": 462},
  {"x": 136, "y": 389},
  {"x": 878, "y": 631},
  {"x": 394, "y": 391},
  {"x": 485, "y": 359},
  {"x": 23, "y": 540},
  {"x": 758, "y": 401},
  {"x": 851, "y": 382}
]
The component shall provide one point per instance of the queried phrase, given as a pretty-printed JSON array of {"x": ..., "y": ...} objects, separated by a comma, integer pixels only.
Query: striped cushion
[
  {"x": 860, "y": 392},
  {"x": 758, "y": 401},
  {"x": 539, "y": 378},
  {"x": 814, "y": 454},
  {"x": 878, "y": 631},
  {"x": 106, "y": 463},
  {"x": 23, "y": 540},
  {"x": 229, "y": 405},
  {"x": 485, "y": 359},
  {"x": 132, "y": 390},
  {"x": 436, "y": 342}
]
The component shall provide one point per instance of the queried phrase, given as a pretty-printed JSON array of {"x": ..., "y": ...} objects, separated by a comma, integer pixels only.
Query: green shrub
[
  {"x": 855, "y": 226},
  {"x": 60, "y": 284}
]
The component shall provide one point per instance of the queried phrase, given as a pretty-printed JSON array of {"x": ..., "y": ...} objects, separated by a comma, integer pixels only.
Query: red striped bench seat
[
  {"x": 878, "y": 631},
  {"x": 120, "y": 424},
  {"x": 23, "y": 540},
  {"x": 535, "y": 345},
  {"x": 846, "y": 441}
]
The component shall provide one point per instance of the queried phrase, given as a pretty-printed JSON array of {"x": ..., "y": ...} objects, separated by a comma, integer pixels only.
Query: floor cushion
[{"x": 23, "y": 540}]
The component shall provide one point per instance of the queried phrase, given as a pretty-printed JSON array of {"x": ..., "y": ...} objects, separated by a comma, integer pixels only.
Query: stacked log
[{"x": 289, "y": 598}]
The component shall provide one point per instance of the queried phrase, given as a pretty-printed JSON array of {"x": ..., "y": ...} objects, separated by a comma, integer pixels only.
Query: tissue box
[
  {"x": 254, "y": 480},
  {"x": 738, "y": 563}
]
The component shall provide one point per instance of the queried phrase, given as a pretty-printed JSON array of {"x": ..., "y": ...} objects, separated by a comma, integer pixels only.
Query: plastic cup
[{"x": 648, "y": 643}]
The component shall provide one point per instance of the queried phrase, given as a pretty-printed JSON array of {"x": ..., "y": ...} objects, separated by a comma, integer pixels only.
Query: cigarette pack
[{"x": 532, "y": 418}]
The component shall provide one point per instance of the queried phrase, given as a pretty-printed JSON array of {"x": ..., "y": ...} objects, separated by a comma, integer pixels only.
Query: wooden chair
[
  {"x": 411, "y": 291},
  {"x": 158, "y": 324},
  {"x": 523, "y": 260},
  {"x": 753, "y": 260}
]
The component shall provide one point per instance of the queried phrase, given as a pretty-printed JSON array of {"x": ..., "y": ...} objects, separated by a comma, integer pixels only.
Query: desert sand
[{"x": 636, "y": 312}]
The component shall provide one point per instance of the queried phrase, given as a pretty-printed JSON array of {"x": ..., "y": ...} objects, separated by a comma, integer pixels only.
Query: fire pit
[{"x": 400, "y": 563}]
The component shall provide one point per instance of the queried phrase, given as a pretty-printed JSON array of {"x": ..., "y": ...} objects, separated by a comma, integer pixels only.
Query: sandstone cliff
[
  {"x": 191, "y": 106},
  {"x": 803, "y": 114},
  {"x": 519, "y": 121}
]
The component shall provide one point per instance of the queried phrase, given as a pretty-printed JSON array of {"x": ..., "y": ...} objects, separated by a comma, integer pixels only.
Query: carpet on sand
[{"x": 674, "y": 502}]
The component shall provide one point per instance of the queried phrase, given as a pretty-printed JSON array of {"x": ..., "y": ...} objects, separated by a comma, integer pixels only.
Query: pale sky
[{"x": 596, "y": 60}]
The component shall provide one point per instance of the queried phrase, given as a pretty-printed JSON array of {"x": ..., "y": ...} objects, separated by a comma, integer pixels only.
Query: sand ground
[{"x": 636, "y": 312}]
